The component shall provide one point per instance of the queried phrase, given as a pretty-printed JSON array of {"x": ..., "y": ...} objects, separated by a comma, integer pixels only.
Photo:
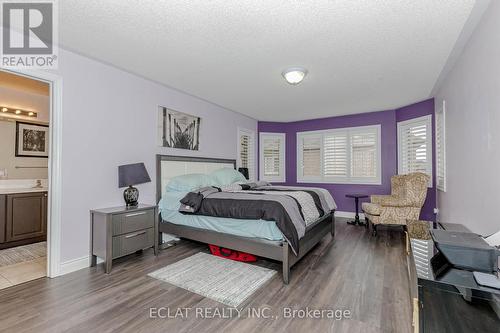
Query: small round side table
[{"x": 356, "y": 197}]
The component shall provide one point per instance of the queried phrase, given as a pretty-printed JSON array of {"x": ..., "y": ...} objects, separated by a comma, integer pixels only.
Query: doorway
[{"x": 29, "y": 175}]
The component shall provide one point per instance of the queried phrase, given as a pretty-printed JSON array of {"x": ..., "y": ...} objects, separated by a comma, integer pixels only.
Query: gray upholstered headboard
[{"x": 168, "y": 166}]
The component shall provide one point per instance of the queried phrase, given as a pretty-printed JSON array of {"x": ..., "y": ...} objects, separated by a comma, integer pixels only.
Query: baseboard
[
  {"x": 349, "y": 214},
  {"x": 83, "y": 262},
  {"x": 74, "y": 265}
]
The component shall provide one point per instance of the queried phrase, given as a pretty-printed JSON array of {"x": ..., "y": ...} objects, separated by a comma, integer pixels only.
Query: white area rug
[{"x": 226, "y": 281}]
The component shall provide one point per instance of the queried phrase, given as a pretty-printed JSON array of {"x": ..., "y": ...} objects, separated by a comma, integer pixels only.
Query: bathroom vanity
[{"x": 23, "y": 215}]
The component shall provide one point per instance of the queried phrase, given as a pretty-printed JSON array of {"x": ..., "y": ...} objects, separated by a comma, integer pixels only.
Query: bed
[{"x": 264, "y": 241}]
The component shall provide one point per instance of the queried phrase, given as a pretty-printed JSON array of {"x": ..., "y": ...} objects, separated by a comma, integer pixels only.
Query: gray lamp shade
[{"x": 132, "y": 174}]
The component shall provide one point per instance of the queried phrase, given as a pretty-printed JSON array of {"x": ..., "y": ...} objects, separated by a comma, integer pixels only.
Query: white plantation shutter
[
  {"x": 364, "y": 154},
  {"x": 415, "y": 146},
  {"x": 246, "y": 151},
  {"x": 311, "y": 149},
  {"x": 348, "y": 155},
  {"x": 441, "y": 148},
  {"x": 335, "y": 155},
  {"x": 272, "y": 157}
]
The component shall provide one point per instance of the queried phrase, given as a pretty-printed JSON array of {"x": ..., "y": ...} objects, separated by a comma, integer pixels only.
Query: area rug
[
  {"x": 226, "y": 281},
  {"x": 23, "y": 253}
]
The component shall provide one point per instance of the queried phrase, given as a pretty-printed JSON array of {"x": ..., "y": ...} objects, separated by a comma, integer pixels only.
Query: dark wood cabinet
[
  {"x": 23, "y": 218},
  {"x": 3, "y": 216}
]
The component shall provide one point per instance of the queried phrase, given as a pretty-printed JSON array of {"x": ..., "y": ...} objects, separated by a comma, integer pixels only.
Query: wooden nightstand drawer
[
  {"x": 129, "y": 243},
  {"x": 118, "y": 231},
  {"x": 133, "y": 221}
]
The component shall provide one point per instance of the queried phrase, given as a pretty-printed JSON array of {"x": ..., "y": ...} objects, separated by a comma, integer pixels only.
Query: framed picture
[
  {"x": 32, "y": 140},
  {"x": 178, "y": 130}
]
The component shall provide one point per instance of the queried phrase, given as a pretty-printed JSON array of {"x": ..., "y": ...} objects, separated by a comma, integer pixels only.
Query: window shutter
[
  {"x": 415, "y": 149},
  {"x": 271, "y": 157},
  {"x": 272, "y": 150},
  {"x": 345, "y": 156},
  {"x": 364, "y": 154},
  {"x": 441, "y": 149},
  {"x": 247, "y": 152},
  {"x": 335, "y": 155},
  {"x": 311, "y": 156}
]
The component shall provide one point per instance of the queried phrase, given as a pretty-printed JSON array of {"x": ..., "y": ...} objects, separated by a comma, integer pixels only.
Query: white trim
[
  {"x": 54, "y": 167},
  {"x": 282, "y": 169},
  {"x": 341, "y": 180},
  {"x": 74, "y": 265},
  {"x": 350, "y": 215},
  {"x": 442, "y": 112},
  {"x": 249, "y": 132},
  {"x": 429, "y": 147}
]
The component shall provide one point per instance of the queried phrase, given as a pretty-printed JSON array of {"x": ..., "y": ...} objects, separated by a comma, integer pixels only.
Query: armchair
[{"x": 407, "y": 197}]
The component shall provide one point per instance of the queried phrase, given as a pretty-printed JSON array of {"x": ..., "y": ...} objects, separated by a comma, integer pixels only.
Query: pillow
[
  {"x": 226, "y": 176},
  {"x": 189, "y": 182}
]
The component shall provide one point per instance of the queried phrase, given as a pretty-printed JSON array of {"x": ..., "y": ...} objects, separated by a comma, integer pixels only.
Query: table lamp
[{"x": 132, "y": 174}]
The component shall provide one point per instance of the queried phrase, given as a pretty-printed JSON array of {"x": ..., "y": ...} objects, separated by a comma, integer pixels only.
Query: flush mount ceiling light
[{"x": 294, "y": 75}]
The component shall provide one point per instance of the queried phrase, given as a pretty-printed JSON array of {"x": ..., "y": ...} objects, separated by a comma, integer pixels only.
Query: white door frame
[{"x": 54, "y": 166}]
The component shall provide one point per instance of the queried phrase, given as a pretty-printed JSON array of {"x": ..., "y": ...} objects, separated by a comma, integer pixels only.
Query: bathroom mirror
[{"x": 24, "y": 131}]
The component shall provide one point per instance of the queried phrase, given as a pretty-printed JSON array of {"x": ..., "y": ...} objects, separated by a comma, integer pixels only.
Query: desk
[{"x": 451, "y": 301}]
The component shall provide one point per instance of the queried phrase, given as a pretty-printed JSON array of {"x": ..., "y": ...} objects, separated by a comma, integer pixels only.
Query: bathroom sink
[{"x": 21, "y": 186}]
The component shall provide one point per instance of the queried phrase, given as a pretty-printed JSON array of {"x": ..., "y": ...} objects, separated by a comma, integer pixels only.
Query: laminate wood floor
[{"x": 356, "y": 272}]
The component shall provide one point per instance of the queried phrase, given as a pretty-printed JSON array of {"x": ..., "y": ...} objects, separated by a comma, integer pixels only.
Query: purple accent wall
[{"x": 388, "y": 121}]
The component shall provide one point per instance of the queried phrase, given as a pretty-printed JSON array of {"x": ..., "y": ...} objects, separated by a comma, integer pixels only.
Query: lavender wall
[
  {"x": 387, "y": 120},
  {"x": 471, "y": 91},
  {"x": 106, "y": 102}
]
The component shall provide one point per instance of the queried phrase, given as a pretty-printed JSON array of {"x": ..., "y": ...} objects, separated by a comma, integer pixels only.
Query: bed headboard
[{"x": 168, "y": 166}]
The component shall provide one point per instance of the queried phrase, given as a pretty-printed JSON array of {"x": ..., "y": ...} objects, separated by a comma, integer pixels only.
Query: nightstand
[{"x": 119, "y": 231}]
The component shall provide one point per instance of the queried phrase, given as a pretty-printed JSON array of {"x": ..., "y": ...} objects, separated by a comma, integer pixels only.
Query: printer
[{"x": 466, "y": 250}]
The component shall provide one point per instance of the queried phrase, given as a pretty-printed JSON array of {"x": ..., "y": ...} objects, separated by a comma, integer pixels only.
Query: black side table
[{"x": 356, "y": 202}]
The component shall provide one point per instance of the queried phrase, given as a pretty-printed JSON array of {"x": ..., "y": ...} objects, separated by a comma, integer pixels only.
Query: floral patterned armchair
[{"x": 407, "y": 197}]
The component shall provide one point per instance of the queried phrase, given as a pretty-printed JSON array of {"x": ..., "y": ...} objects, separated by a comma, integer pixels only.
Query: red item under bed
[{"x": 231, "y": 254}]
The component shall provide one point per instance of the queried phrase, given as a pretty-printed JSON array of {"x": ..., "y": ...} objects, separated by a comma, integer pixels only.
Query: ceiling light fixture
[
  {"x": 294, "y": 75},
  {"x": 5, "y": 109},
  {"x": 18, "y": 111}
]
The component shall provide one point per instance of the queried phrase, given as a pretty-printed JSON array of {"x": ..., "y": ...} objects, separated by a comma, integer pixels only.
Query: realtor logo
[{"x": 29, "y": 34}]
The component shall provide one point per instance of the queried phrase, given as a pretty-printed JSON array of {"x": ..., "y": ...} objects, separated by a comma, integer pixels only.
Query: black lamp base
[{"x": 131, "y": 196}]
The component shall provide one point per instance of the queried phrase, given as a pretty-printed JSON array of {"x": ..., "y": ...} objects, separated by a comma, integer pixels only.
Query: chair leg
[{"x": 374, "y": 231}]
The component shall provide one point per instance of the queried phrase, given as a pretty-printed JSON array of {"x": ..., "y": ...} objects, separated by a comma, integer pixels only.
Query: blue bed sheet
[{"x": 169, "y": 205}]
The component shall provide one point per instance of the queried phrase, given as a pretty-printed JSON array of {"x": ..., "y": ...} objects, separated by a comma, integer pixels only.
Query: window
[
  {"x": 347, "y": 155},
  {"x": 441, "y": 148},
  {"x": 272, "y": 157},
  {"x": 415, "y": 146},
  {"x": 246, "y": 151}
]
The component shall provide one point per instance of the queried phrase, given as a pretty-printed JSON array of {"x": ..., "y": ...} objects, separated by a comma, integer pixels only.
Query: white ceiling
[{"x": 362, "y": 56}]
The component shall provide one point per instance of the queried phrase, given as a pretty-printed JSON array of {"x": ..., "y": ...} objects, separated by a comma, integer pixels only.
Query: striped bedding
[{"x": 292, "y": 208}]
